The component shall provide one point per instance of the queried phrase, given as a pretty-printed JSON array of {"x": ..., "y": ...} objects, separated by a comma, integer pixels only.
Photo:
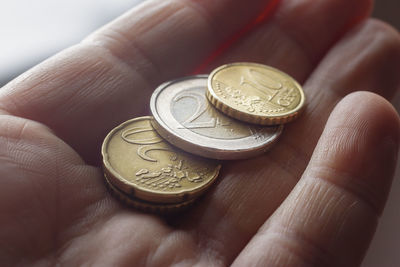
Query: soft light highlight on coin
[
  {"x": 139, "y": 162},
  {"x": 255, "y": 93},
  {"x": 184, "y": 117}
]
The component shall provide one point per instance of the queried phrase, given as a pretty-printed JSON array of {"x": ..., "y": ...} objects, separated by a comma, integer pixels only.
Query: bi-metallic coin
[
  {"x": 255, "y": 93},
  {"x": 137, "y": 161},
  {"x": 184, "y": 117}
]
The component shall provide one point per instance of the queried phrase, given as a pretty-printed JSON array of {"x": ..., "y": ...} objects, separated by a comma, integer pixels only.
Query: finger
[
  {"x": 298, "y": 35},
  {"x": 86, "y": 90},
  {"x": 45, "y": 188},
  {"x": 330, "y": 216},
  {"x": 367, "y": 59},
  {"x": 251, "y": 190}
]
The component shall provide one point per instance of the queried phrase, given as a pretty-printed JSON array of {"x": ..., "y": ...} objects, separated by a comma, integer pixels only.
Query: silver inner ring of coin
[{"x": 186, "y": 119}]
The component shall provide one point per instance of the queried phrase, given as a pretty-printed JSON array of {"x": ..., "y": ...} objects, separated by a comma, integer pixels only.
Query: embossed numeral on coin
[
  {"x": 287, "y": 97},
  {"x": 201, "y": 108},
  {"x": 147, "y": 145},
  {"x": 128, "y": 133},
  {"x": 262, "y": 83}
]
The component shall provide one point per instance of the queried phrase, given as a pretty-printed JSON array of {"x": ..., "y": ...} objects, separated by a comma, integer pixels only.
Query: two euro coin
[{"x": 186, "y": 119}]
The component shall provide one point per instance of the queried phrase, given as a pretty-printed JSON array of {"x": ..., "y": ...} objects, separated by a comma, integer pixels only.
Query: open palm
[{"x": 289, "y": 207}]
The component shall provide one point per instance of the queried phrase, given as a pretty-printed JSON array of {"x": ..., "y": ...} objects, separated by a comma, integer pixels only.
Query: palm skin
[{"x": 304, "y": 203}]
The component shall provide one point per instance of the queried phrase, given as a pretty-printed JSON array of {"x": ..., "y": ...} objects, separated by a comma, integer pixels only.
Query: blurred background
[{"x": 31, "y": 31}]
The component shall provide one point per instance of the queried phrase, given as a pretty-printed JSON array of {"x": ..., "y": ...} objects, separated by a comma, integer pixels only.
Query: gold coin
[
  {"x": 140, "y": 163},
  {"x": 145, "y": 205},
  {"x": 255, "y": 93}
]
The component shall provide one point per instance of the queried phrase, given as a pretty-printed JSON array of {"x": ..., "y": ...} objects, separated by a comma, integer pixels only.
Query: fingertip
[
  {"x": 358, "y": 148},
  {"x": 370, "y": 109}
]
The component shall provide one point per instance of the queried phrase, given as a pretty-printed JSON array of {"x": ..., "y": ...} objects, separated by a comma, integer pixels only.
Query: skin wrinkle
[
  {"x": 295, "y": 159},
  {"x": 305, "y": 247},
  {"x": 108, "y": 92},
  {"x": 39, "y": 202},
  {"x": 227, "y": 212},
  {"x": 301, "y": 249},
  {"x": 358, "y": 189},
  {"x": 347, "y": 204},
  {"x": 344, "y": 137},
  {"x": 119, "y": 37},
  {"x": 7, "y": 94},
  {"x": 346, "y": 215},
  {"x": 176, "y": 9},
  {"x": 98, "y": 71},
  {"x": 24, "y": 131},
  {"x": 371, "y": 38},
  {"x": 361, "y": 139},
  {"x": 56, "y": 226}
]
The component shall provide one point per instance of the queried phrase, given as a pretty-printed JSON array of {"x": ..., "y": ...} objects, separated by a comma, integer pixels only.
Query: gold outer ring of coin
[
  {"x": 145, "y": 205},
  {"x": 125, "y": 162},
  {"x": 234, "y": 105}
]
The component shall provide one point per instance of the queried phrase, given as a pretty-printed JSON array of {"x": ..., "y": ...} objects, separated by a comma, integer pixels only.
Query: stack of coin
[{"x": 165, "y": 162}]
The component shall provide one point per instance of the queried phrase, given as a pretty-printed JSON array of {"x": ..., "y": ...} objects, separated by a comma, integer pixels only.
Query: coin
[
  {"x": 145, "y": 205},
  {"x": 184, "y": 117},
  {"x": 255, "y": 93},
  {"x": 140, "y": 163}
]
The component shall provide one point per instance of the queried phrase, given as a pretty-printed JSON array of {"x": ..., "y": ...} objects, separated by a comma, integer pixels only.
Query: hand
[{"x": 305, "y": 202}]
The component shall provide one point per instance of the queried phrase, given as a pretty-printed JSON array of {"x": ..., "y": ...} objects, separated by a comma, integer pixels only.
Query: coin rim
[
  {"x": 248, "y": 117},
  {"x": 144, "y": 193},
  {"x": 199, "y": 149},
  {"x": 143, "y": 205}
]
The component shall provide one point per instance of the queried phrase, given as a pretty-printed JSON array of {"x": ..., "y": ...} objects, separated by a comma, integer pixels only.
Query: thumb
[{"x": 330, "y": 216}]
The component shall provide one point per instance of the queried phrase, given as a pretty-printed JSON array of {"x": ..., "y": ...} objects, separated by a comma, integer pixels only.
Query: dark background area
[{"x": 388, "y": 10}]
